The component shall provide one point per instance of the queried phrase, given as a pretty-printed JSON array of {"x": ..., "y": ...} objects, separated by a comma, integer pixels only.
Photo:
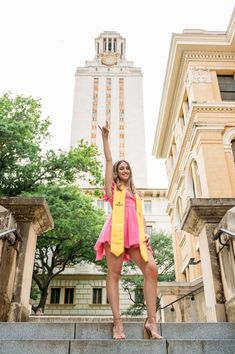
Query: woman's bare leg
[
  {"x": 150, "y": 272},
  {"x": 114, "y": 265}
]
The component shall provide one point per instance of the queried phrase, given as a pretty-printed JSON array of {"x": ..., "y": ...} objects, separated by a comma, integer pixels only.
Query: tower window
[
  {"x": 227, "y": 87},
  {"x": 110, "y": 45}
]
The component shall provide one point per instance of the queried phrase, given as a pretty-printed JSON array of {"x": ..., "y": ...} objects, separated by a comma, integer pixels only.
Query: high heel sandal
[
  {"x": 115, "y": 335},
  {"x": 149, "y": 334}
]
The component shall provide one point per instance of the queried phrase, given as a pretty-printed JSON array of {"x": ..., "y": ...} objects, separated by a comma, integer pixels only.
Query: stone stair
[{"x": 95, "y": 337}]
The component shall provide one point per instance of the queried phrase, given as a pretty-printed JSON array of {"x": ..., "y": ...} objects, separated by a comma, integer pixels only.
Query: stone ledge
[
  {"x": 200, "y": 211},
  {"x": 33, "y": 210}
]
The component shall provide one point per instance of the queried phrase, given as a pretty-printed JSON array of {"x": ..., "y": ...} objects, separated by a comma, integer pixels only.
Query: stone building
[{"x": 196, "y": 135}]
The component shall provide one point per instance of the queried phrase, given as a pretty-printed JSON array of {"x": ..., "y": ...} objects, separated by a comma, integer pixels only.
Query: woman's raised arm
[{"x": 108, "y": 159}]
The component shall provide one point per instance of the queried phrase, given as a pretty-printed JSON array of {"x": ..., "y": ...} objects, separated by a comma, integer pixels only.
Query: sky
[{"x": 44, "y": 41}]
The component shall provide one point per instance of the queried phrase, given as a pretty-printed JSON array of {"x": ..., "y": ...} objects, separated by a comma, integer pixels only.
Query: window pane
[
  {"x": 139, "y": 295},
  {"x": 147, "y": 206},
  {"x": 69, "y": 295},
  {"x": 227, "y": 87},
  {"x": 149, "y": 229},
  {"x": 97, "y": 295},
  {"x": 55, "y": 295},
  {"x": 100, "y": 204}
]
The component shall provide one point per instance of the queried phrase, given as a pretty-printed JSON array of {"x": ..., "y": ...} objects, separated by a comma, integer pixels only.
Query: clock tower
[{"x": 109, "y": 88}]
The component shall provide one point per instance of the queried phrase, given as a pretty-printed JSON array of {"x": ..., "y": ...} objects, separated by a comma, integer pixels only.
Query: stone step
[
  {"x": 219, "y": 330},
  {"x": 117, "y": 347},
  {"x": 103, "y": 330}
]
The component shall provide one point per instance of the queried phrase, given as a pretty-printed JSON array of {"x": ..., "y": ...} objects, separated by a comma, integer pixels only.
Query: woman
[{"x": 123, "y": 237}]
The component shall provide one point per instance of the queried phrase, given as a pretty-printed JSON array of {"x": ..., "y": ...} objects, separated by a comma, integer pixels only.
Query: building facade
[
  {"x": 196, "y": 135},
  {"x": 109, "y": 88}
]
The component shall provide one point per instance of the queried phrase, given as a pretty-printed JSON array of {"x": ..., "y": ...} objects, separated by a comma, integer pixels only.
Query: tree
[
  {"x": 25, "y": 163},
  {"x": 77, "y": 226},
  {"x": 28, "y": 167},
  {"x": 133, "y": 283}
]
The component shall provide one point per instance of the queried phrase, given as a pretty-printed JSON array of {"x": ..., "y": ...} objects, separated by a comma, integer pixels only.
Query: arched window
[
  {"x": 233, "y": 149},
  {"x": 194, "y": 178},
  {"x": 178, "y": 212}
]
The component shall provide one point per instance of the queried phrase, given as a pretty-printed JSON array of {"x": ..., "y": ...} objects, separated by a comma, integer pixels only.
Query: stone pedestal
[
  {"x": 32, "y": 217},
  {"x": 226, "y": 252},
  {"x": 200, "y": 219}
]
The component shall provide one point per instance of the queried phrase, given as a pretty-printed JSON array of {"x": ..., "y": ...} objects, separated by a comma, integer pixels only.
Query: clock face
[{"x": 109, "y": 59}]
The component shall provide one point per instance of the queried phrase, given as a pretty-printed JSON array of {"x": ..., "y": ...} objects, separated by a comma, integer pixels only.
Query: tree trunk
[{"x": 43, "y": 299}]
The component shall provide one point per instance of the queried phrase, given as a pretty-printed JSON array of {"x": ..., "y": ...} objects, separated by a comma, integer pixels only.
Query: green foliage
[
  {"x": 161, "y": 244},
  {"x": 34, "y": 293},
  {"x": 25, "y": 163},
  {"x": 77, "y": 224},
  {"x": 164, "y": 256}
]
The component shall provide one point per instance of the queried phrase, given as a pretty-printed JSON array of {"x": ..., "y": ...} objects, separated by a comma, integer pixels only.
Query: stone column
[
  {"x": 225, "y": 247},
  {"x": 33, "y": 218},
  {"x": 200, "y": 219}
]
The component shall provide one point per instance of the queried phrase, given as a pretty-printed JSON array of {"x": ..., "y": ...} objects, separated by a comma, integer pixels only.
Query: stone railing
[
  {"x": 26, "y": 218},
  {"x": 181, "y": 301}
]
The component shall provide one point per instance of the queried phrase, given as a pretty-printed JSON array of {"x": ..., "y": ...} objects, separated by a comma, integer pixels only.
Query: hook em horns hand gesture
[{"x": 105, "y": 130}]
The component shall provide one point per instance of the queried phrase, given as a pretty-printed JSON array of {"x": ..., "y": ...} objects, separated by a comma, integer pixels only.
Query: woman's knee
[
  {"x": 114, "y": 274},
  {"x": 151, "y": 271}
]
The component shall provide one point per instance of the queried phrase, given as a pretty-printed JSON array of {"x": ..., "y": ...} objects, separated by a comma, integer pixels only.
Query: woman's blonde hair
[{"x": 117, "y": 179}]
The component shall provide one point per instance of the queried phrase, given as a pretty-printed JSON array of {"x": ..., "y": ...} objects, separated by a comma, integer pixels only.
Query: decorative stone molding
[
  {"x": 199, "y": 75},
  {"x": 188, "y": 183},
  {"x": 227, "y": 138},
  {"x": 32, "y": 210},
  {"x": 5, "y": 219},
  {"x": 208, "y": 56},
  {"x": 213, "y": 108}
]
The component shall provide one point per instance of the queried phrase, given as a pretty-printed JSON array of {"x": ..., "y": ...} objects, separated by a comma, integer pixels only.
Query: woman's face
[{"x": 124, "y": 172}]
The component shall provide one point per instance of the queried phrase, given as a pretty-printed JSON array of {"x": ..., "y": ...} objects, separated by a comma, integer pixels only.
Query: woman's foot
[
  {"x": 150, "y": 329},
  {"x": 118, "y": 332}
]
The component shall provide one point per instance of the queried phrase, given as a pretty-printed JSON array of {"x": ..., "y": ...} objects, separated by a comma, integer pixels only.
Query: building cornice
[{"x": 184, "y": 48}]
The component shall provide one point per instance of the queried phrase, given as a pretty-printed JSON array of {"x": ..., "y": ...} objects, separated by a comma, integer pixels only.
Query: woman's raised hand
[{"x": 105, "y": 130}]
